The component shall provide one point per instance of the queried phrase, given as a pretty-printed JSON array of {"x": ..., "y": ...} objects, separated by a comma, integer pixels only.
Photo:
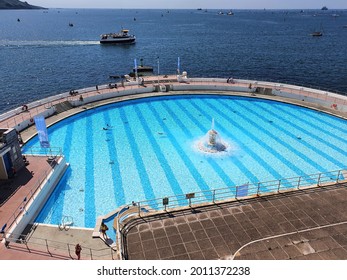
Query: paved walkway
[
  {"x": 310, "y": 224},
  {"x": 12, "y": 194},
  {"x": 60, "y": 243}
]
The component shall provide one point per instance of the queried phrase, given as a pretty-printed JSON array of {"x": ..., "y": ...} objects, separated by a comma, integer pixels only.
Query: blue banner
[
  {"x": 242, "y": 190},
  {"x": 42, "y": 131}
]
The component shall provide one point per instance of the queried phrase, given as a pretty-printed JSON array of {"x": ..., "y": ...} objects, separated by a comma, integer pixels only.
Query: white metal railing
[
  {"x": 245, "y": 191},
  {"x": 22, "y": 208},
  {"x": 58, "y": 249},
  {"x": 49, "y": 152}
]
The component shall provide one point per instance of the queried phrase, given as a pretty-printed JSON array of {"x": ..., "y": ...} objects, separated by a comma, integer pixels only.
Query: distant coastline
[{"x": 17, "y": 5}]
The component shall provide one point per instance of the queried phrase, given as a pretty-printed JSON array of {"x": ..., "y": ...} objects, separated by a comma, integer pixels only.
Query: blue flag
[
  {"x": 42, "y": 131},
  {"x": 3, "y": 228},
  {"x": 178, "y": 65}
]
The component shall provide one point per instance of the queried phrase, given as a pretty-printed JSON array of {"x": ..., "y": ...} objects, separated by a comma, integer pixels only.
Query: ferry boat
[{"x": 123, "y": 37}]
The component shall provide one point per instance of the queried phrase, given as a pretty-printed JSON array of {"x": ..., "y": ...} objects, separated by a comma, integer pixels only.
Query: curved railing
[
  {"x": 20, "y": 117},
  {"x": 236, "y": 193},
  {"x": 244, "y": 191}
]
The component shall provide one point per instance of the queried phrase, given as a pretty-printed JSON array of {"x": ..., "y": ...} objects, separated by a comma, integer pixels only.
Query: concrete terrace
[
  {"x": 306, "y": 224},
  {"x": 310, "y": 224}
]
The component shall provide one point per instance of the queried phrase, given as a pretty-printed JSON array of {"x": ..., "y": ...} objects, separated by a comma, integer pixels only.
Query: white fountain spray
[{"x": 211, "y": 142}]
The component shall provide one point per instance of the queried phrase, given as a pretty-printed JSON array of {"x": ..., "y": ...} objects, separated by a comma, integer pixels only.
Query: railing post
[
  {"x": 112, "y": 253},
  {"x": 279, "y": 185},
  {"x": 48, "y": 248},
  {"x": 318, "y": 181},
  {"x": 299, "y": 181},
  {"x": 91, "y": 253},
  {"x": 213, "y": 195},
  {"x": 26, "y": 244},
  {"x": 236, "y": 188},
  {"x": 258, "y": 189},
  {"x": 338, "y": 176},
  {"x": 68, "y": 248},
  {"x": 139, "y": 208}
]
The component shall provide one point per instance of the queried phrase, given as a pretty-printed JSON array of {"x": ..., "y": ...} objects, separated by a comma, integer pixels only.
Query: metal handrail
[
  {"x": 216, "y": 195},
  {"x": 30, "y": 196},
  {"x": 91, "y": 91},
  {"x": 57, "y": 248},
  {"x": 226, "y": 194},
  {"x": 51, "y": 152},
  {"x": 253, "y": 189}
]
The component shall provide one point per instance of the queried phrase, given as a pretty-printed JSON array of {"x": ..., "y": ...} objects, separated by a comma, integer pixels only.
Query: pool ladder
[{"x": 66, "y": 223}]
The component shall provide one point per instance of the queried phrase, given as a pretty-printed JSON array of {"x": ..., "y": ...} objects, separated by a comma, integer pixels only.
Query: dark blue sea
[{"x": 41, "y": 55}]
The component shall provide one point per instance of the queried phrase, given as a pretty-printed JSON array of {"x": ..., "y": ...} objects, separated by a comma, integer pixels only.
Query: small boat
[
  {"x": 317, "y": 34},
  {"x": 324, "y": 8},
  {"x": 70, "y": 24},
  {"x": 123, "y": 37},
  {"x": 142, "y": 70},
  {"x": 230, "y": 13}
]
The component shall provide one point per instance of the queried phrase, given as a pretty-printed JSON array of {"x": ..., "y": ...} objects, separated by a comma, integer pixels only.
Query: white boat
[{"x": 123, "y": 37}]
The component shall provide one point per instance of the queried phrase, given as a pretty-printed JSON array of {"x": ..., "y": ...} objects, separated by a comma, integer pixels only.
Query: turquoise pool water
[{"x": 150, "y": 150}]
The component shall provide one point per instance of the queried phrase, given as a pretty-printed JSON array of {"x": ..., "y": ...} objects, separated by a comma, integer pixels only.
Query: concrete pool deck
[
  {"x": 211, "y": 232},
  {"x": 306, "y": 224}
]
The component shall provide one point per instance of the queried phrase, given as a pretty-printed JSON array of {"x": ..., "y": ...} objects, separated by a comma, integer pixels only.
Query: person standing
[
  {"x": 104, "y": 228},
  {"x": 78, "y": 250}
]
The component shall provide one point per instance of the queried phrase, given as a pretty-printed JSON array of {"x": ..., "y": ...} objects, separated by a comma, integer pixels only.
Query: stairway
[{"x": 62, "y": 107}]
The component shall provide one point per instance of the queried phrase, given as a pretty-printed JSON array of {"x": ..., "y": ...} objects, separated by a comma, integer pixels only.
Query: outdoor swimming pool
[{"x": 149, "y": 148}]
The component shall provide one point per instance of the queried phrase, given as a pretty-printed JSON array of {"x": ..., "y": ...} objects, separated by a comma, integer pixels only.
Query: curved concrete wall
[{"x": 327, "y": 99}]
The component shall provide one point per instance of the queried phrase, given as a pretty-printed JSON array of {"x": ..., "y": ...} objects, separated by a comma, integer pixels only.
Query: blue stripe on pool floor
[
  {"x": 311, "y": 147},
  {"x": 252, "y": 177},
  {"x": 189, "y": 165},
  {"x": 175, "y": 186},
  {"x": 291, "y": 165},
  {"x": 89, "y": 192},
  {"x": 141, "y": 168},
  {"x": 214, "y": 165},
  {"x": 116, "y": 175}
]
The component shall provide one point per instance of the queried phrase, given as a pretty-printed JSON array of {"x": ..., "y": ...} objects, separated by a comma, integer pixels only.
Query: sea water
[{"x": 41, "y": 55}]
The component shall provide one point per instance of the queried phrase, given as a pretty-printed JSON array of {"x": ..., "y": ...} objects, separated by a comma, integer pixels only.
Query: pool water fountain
[{"x": 211, "y": 142}]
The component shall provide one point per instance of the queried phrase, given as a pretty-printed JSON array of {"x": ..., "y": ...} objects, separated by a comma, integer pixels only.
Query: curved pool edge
[{"x": 327, "y": 102}]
